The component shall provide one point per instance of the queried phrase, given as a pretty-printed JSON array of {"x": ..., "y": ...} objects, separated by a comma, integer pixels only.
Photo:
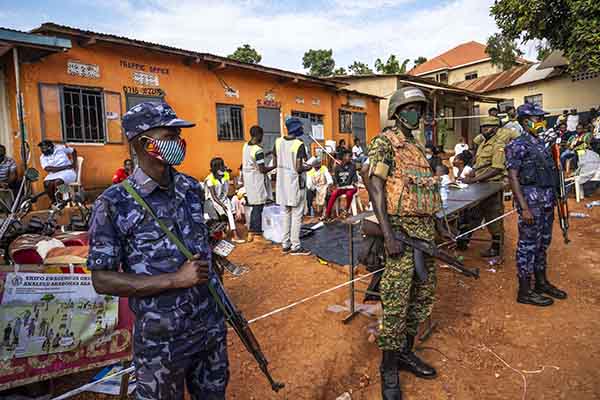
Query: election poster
[{"x": 44, "y": 314}]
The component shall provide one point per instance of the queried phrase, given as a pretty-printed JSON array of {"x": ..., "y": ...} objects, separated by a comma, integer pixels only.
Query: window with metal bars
[
  {"x": 83, "y": 115},
  {"x": 345, "y": 121},
  {"x": 536, "y": 99},
  {"x": 229, "y": 122}
]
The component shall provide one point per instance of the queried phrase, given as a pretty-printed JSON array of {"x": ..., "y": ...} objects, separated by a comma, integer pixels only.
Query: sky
[{"x": 281, "y": 31}]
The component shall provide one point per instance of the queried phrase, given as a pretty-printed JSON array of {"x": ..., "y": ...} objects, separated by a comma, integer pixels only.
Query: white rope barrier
[
  {"x": 131, "y": 369},
  {"x": 304, "y": 300},
  {"x": 88, "y": 386}
]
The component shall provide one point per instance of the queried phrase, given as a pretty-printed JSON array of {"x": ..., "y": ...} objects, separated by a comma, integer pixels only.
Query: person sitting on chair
[
  {"x": 60, "y": 168},
  {"x": 217, "y": 185},
  {"x": 123, "y": 172},
  {"x": 345, "y": 178}
]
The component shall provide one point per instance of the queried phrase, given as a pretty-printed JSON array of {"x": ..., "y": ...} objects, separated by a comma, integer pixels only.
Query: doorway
[
  {"x": 134, "y": 99},
  {"x": 269, "y": 121},
  {"x": 359, "y": 127}
]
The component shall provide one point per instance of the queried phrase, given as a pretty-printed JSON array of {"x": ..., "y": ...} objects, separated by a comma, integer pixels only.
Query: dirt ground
[{"x": 552, "y": 353}]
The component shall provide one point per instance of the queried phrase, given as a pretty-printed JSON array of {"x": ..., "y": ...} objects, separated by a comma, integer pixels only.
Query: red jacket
[{"x": 120, "y": 175}]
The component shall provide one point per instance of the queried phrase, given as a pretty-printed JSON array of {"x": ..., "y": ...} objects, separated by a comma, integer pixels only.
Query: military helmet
[
  {"x": 489, "y": 120},
  {"x": 405, "y": 95}
]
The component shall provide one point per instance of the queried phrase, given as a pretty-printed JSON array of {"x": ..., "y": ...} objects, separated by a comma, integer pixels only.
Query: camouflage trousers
[
  {"x": 406, "y": 300},
  {"x": 169, "y": 353},
  {"x": 534, "y": 241},
  {"x": 492, "y": 208}
]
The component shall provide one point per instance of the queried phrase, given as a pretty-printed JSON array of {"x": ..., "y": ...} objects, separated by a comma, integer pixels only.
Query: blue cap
[
  {"x": 148, "y": 115},
  {"x": 530, "y": 110},
  {"x": 293, "y": 125}
]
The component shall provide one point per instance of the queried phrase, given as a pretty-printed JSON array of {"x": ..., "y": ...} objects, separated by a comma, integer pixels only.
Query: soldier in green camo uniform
[{"x": 405, "y": 196}]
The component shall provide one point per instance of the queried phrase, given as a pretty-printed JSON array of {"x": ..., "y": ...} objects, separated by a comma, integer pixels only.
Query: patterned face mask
[{"x": 169, "y": 151}]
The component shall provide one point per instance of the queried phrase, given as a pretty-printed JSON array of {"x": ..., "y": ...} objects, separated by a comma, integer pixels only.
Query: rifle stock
[
  {"x": 560, "y": 192},
  {"x": 425, "y": 247}
]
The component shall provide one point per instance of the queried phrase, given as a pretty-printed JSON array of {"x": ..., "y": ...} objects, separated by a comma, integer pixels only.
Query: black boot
[
  {"x": 390, "y": 381},
  {"x": 542, "y": 286},
  {"x": 408, "y": 361},
  {"x": 495, "y": 249},
  {"x": 527, "y": 296}
]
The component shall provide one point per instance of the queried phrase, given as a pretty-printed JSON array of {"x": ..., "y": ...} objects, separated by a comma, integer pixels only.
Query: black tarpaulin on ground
[{"x": 330, "y": 243}]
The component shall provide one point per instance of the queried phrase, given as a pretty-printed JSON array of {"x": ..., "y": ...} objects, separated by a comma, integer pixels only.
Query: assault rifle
[
  {"x": 420, "y": 248},
  {"x": 217, "y": 291},
  {"x": 561, "y": 193}
]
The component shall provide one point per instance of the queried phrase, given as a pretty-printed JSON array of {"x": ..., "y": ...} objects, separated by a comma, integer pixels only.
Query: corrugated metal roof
[
  {"x": 50, "y": 27},
  {"x": 15, "y": 37},
  {"x": 533, "y": 74},
  {"x": 495, "y": 81}
]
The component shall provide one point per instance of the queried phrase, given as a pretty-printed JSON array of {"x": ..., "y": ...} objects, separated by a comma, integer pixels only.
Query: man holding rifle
[
  {"x": 405, "y": 196},
  {"x": 180, "y": 334},
  {"x": 534, "y": 179}
]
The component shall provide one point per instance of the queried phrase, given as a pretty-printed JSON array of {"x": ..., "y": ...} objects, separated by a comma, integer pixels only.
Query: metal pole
[
  {"x": 20, "y": 120},
  {"x": 351, "y": 254}
]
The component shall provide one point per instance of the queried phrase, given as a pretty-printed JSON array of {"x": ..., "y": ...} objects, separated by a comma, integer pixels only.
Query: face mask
[
  {"x": 2, "y": 157},
  {"x": 410, "y": 118},
  {"x": 221, "y": 173},
  {"x": 536, "y": 127},
  {"x": 169, "y": 151},
  {"x": 428, "y": 156}
]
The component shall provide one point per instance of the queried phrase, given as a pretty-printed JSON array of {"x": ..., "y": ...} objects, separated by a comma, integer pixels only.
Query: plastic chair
[{"x": 76, "y": 186}]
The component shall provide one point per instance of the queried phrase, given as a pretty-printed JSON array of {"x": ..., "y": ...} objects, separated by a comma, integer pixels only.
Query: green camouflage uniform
[
  {"x": 406, "y": 301},
  {"x": 490, "y": 154}
]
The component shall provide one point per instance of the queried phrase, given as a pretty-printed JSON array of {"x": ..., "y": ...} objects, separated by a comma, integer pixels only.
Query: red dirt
[{"x": 318, "y": 357}]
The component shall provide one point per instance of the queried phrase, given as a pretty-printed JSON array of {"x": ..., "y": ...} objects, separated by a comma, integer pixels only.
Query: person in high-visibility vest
[
  {"x": 217, "y": 190},
  {"x": 256, "y": 181},
  {"x": 289, "y": 156}
]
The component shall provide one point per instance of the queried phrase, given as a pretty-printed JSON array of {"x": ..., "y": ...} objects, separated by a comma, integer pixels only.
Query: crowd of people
[{"x": 180, "y": 333}]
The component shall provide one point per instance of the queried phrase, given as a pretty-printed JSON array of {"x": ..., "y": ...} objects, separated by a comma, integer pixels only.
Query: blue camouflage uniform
[
  {"x": 533, "y": 162},
  {"x": 179, "y": 335}
]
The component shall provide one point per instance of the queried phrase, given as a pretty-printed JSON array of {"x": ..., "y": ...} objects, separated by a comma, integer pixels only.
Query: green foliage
[
  {"x": 246, "y": 54},
  {"x": 359, "y": 68},
  {"x": 543, "y": 51},
  {"x": 572, "y": 26},
  {"x": 420, "y": 60},
  {"x": 340, "y": 71},
  {"x": 391, "y": 66},
  {"x": 503, "y": 51},
  {"x": 319, "y": 62}
]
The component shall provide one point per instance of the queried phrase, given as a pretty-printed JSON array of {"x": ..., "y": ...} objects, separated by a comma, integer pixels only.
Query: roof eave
[{"x": 54, "y": 28}]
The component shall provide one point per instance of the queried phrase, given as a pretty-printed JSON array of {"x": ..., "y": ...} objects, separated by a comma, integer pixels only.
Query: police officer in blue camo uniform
[
  {"x": 179, "y": 334},
  {"x": 533, "y": 177}
]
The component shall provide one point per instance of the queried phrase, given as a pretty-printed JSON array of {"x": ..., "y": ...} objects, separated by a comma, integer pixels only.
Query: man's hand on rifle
[
  {"x": 394, "y": 247},
  {"x": 192, "y": 273},
  {"x": 527, "y": 216}
]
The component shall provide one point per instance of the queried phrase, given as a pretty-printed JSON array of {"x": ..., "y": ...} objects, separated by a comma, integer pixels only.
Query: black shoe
[
  {"x": 286, "y": 250},
  {"x": 409, "y": 361},
  {"x": 390, "y": 381},
  {"x": 542, "y": 286},
  {"x": 462, "y": 245},
  {"x": 527, "y": 296},
  {"x": 300, "y": 252},
  {"x": 495, "y": 249}
]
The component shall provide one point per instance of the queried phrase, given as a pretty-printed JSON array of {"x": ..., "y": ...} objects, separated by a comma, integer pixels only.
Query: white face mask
[{"x": 428, "y": 156}]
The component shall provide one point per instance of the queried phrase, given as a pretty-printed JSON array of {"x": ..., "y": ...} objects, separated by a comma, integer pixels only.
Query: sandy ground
[{"x": 553, "y": 353}]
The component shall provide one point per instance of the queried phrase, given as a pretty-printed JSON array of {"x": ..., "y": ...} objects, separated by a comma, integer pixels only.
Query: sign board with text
[{"x": 56, "y": 324}]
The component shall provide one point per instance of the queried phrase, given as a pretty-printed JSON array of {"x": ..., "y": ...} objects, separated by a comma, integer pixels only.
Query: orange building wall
[{"x": 192, "y": 90}]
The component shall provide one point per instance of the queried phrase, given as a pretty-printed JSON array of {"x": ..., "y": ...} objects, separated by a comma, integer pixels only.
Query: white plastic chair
[{"x": 76, "y": 186}]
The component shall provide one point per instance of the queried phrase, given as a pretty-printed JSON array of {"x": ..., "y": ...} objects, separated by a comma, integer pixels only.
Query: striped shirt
[{"x": 7, "y": 166}]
